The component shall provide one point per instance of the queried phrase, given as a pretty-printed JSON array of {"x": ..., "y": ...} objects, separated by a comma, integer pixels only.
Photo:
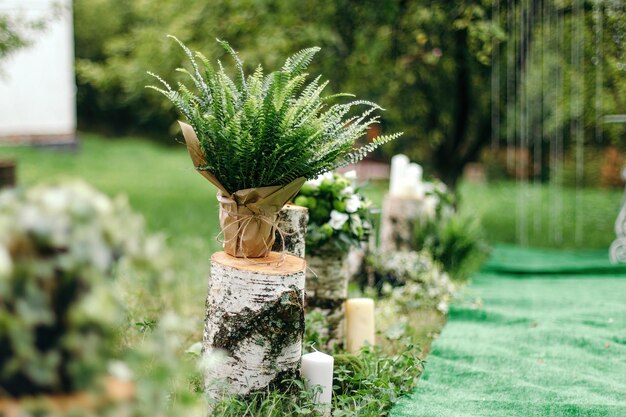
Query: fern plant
[{"x": 261, "y": 130}]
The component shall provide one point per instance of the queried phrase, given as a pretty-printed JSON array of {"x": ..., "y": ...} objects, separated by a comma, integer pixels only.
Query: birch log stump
[
  {"x": 398, "y": 219},
  {"x": 327, "y": 290},
  {"x": 293, "y": 221},
  {"x": 255, "y": 313}
]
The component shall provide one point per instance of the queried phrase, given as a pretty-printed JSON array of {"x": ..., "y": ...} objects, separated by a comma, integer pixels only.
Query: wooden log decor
[
  {"x": 398, "y": 219},
  {"x": 293, "y": 221},
  {"x": 255, "y": 314},
  {"x": 327, "y": 290}
]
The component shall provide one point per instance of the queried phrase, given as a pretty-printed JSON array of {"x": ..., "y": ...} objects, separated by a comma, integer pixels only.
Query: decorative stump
[
  {"x": 398, "y": 219},
  {"x": 327, "y": 291},
  {"x": 255, "y": 314},
  {"x": 293, "y": 221}
]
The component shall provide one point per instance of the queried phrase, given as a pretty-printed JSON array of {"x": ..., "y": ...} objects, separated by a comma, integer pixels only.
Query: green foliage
[
  {"x": 16, "y": 32},
  {"x": 457, "y": 242},
  {"x": 454, "y": 240},
  {"x": 339, "y": 216},
  {"x": 269, "y": 130},
  {"x": 370, "y": 384},
  {"x": 60, "y": 309}
]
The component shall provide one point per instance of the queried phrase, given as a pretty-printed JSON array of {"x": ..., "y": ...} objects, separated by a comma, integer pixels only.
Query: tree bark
[
  {"x": 398, "y": 219},
  {"x": 255, "y": 314},
  {"x": 292, "y": 220},
  {"x": 327, "y": 290}
]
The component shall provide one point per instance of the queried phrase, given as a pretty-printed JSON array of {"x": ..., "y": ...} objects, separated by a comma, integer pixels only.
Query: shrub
[
  {"x": 60, "y": 313},
  {"x": 454, "y": 240}
]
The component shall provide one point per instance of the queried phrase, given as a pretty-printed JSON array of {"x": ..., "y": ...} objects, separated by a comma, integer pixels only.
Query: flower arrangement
[
  {"x": 257, "y": 138},
  {"x": 339, "y": 216},
  {"x": 60, "y": 311},
  {"x": 412, "y": 279}
]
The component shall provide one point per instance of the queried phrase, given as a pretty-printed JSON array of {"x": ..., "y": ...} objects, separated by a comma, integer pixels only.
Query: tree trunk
[
  {"x": 255, "y": 314},
  {"x": 292, "y": 220},
  {"x": 398, "y": 219},
  {"x": 327, "y": 290}
]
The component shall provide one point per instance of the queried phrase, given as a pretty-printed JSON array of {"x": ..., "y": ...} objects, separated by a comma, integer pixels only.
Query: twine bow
[{"x": 243, "y": 221}]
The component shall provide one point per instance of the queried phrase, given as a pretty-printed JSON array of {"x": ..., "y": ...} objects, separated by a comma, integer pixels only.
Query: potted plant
[
  {"x": 259, "y": 137},
  {"x": 339, "y": 219},
  {"x": 60, "y": 313}
]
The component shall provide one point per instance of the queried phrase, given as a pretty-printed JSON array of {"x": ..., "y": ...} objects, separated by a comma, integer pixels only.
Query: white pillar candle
[
  {"x": 359, "y": 323},
  {"x": 420, "y": 173},
  {"x": 411, "y": 179},
  {"x": 317, "y": 369},
  {"x": 399, "y": 164}
]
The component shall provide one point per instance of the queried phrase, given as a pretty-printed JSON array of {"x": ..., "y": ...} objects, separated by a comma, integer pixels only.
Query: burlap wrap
[{"x": 247, "y": 217}]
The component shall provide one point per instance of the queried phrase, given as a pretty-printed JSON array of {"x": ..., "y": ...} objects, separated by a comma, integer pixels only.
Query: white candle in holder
[
  {"x": 360, "y": 327},
  {"x": 317, "y": 369},
  {"x": 399, "y": 164}
]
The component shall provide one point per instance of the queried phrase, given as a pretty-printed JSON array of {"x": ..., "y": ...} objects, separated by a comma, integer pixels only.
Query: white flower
[
  {"x": 349, "y": 190},
  {"x": 316, "y": 182},
  {"x": 337, "y": 219},
  {"x": 350, "y": 175},
  {"x": 443, "y": 307},
  {"x": 353, "y": 203},
  {"x": 6, "y": 265}
]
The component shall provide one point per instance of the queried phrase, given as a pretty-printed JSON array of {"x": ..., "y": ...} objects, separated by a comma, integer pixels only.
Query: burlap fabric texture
[{"x": 248, "y": 218}]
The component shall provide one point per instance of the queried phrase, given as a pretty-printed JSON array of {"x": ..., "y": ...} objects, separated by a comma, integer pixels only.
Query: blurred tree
[
  {"x": 16, "y": 32},
  {"x": 427, "y": 63}
]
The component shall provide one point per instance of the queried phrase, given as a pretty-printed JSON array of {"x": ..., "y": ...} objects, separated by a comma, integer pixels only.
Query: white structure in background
[
  {"x": 37, "y": 85},
  {"x": 406, "y": 178}
]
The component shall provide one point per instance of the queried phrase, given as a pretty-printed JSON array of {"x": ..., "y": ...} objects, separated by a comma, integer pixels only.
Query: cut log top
[{"x": 270, "y": 265}]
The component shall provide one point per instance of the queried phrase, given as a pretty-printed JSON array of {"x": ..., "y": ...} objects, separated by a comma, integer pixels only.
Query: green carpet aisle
[{"x": 548, "y": 340}]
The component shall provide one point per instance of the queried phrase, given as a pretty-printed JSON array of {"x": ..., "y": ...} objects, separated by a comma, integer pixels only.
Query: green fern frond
[
  {"x": 298, "y": 62},
  {"x": 261, "y": 130}
]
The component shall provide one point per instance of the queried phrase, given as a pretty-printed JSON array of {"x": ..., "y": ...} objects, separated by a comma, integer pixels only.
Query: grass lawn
[{"x": 495, "y": 204}]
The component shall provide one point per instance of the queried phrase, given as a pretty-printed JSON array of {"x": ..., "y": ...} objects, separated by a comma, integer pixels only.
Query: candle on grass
[
  {"x": 360, "y": 327},
  {"x": 317, "y": 369}
]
